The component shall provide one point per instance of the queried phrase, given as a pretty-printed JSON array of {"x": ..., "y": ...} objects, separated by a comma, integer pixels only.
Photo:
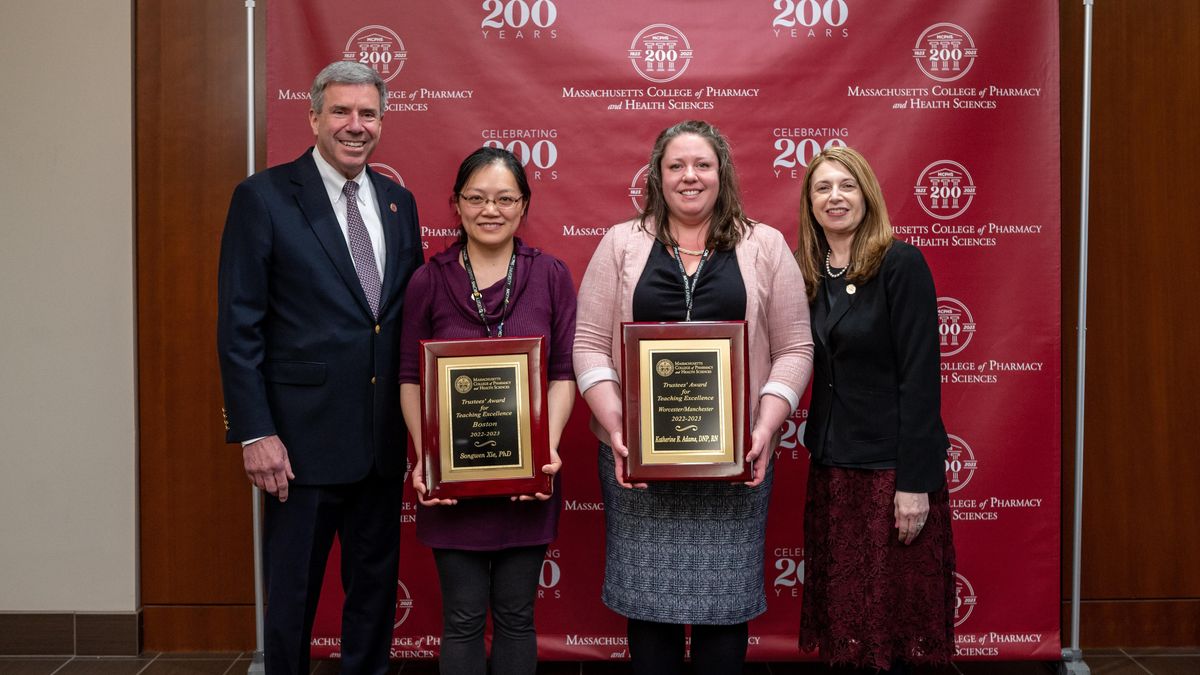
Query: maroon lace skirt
[{"x": 869, "y": 600}]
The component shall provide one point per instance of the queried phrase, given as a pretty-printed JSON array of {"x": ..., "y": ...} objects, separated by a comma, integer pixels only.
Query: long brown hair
[
  {"x": 728, "y": 220},
  {"x": 871, "y": 239}
]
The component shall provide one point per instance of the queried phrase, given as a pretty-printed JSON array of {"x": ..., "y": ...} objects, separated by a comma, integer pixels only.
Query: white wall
[{"x": 68, "y": 455}]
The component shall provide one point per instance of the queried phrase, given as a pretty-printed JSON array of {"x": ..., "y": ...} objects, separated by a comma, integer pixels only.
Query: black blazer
[
  {"x": 301, "y": 356},
  {"x": 876, "y": 393}
]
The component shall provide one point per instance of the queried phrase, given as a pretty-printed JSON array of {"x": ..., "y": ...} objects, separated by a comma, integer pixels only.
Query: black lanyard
[
  {"x": 689, "y": 286},
  {"x": 478, "y": 297}
]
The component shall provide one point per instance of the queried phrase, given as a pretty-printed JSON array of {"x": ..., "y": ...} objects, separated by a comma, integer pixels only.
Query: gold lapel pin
[
  {"x": 392, "y": 206},
  {"x": 851, "y": 289}
]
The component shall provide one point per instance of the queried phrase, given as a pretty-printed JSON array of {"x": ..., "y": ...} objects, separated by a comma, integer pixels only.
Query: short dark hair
[{"x": 481, "y": 158}]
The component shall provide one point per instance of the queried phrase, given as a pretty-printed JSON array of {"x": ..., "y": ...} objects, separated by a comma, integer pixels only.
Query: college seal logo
[
  {"x": 378, "y": 47},
  {"x": 945, "y": 52},
  {"x": 462, "y": 384},
  {"x": 664, "y": 367},
  {"x": 637, "y": 189},
  {"x": 956, "y": 326},
  {"x": 945, "y": 189},
  {"x": 960, "y": 464},
  {"x": 964, "y": 599},
  {"x": 404, "y": 603},
  {"x": 660, "y": 52}
]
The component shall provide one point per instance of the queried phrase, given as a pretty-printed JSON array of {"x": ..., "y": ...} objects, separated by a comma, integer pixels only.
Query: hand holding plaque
[
  {"x": 422, "y": 490},
  {"x": 685, "y": 400},
  {"x": 550, "y": 469},
  {"x": 484, "y": 427}
]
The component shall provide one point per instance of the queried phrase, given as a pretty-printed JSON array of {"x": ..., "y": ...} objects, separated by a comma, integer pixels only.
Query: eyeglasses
[{"x": 503, "y": 202}]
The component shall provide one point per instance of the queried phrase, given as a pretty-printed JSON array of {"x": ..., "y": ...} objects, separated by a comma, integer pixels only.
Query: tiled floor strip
[{"x": 1101, "y": 662}]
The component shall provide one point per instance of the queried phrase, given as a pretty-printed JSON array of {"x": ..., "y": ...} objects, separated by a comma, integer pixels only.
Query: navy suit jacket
[
  {"x": 876, "y": 392},
  {"x": 301, "y": 355}
]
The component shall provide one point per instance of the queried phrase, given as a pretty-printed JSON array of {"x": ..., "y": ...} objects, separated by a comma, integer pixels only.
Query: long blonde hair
[{"x": 871, "y": 239}]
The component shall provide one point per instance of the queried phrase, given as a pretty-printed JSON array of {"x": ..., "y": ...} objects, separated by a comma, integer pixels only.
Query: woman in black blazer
[{"x": 879, "y": 556}]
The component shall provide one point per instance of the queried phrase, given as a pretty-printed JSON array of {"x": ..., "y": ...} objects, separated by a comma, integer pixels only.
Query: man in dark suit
[{"x": 314, "y": 260}]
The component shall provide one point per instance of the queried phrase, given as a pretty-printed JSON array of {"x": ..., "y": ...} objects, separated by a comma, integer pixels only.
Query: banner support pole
[
  {"x": 257, "y": 661},
  {"x": 1073, "y": 662}
]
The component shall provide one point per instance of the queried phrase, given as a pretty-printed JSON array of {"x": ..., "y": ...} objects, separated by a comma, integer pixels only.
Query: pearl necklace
[{"x": 829, "y": 270}]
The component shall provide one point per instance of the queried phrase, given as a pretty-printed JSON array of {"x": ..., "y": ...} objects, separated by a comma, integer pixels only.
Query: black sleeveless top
[{"x": 720, "y": 294}]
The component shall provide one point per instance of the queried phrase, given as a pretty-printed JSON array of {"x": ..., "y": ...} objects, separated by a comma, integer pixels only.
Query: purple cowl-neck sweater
[{"x": 437, "y": 304}]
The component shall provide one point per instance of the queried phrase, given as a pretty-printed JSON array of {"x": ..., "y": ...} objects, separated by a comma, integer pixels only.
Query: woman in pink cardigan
[{"x": 691, "y": 552}]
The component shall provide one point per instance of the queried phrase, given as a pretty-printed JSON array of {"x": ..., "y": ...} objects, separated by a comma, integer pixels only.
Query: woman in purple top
[{"x": 489, "y": 551}]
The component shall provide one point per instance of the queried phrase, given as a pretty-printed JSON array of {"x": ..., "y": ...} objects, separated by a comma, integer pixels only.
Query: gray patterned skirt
[{"x": 684, "y": 552}]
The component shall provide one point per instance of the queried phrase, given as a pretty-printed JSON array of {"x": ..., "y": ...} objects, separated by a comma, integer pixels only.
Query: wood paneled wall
[
  {"x": 1141, "y": 502},
  {"x": 196, "y": 560}
]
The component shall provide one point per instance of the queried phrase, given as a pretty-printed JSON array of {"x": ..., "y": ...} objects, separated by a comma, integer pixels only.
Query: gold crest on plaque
[
  {"x": 664, "y": 367},
  {"x": 462, "y": 384}
]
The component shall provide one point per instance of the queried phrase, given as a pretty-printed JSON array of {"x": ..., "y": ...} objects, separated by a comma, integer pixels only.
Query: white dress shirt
[{"x": 368, "y": 206}]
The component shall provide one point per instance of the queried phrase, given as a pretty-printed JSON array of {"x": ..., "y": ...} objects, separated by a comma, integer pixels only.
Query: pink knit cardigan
[{"x": 780, "y": 341}]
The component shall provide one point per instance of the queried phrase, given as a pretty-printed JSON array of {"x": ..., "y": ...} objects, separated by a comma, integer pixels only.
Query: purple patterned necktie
[{"x": 360, "y": 248}]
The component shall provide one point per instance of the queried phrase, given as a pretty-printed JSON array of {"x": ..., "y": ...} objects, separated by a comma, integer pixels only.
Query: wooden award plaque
[
  {"x": 485, "y": 429},
  {"x": 685, "y": 399}
]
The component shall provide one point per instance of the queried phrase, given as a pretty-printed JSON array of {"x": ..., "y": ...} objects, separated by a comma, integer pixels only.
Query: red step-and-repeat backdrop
[{"x": 954, "y": 103}]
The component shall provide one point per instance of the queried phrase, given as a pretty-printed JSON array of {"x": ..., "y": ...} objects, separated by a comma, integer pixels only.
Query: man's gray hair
[{"x": 347, "y": 72}]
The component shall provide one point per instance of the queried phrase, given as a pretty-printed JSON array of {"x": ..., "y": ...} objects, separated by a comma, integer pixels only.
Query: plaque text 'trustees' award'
[
  {"x": 685, "y": 388},
  {"x": 485, "y": 428},
  {"x": 685, "y": 402}
]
